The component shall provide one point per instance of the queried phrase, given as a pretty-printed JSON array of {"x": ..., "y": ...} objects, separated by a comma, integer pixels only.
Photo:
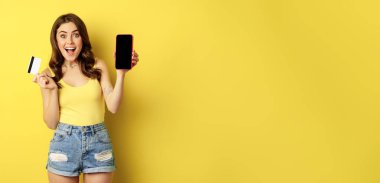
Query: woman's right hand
[{"x": 45, "y": 81}]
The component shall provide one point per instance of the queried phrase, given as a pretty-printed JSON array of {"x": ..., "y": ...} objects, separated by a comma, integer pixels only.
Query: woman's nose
[{"x": 69, "y": 40}]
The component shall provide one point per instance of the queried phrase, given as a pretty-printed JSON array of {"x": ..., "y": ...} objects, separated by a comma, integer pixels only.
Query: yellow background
[{"x": 243, "y": 91}]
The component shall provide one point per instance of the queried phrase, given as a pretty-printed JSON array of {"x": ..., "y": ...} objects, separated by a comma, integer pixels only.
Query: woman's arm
[
  {"x": 50, "y": 107},
  {"x": 113, "y": 95},
  {"x": 49, "y": 92}
]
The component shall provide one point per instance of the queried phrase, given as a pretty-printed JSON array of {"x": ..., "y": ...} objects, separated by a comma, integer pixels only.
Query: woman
[{"x": 73, "y": 104}]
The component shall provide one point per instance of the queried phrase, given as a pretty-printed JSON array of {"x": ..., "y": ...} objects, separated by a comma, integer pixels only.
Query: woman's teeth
[{"x": 70, "y": 50}]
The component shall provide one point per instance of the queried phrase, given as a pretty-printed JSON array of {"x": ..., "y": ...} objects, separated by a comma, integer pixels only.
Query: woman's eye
[
  {"x": 63, "y": 36},
  {"x": 76, "y": 35}
]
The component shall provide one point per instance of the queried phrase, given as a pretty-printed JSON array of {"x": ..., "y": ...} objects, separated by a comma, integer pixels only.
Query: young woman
[{"x": 73, "y": 104}]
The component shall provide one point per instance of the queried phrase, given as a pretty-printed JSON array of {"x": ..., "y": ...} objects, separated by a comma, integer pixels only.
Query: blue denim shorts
[{"x": 80, "y": 149}]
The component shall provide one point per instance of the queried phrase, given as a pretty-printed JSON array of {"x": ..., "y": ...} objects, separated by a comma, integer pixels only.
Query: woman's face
[{"x": 69, "y": 41}]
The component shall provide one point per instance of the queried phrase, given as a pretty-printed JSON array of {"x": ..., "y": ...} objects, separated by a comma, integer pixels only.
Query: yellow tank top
[{"x": 81, "y": 105}]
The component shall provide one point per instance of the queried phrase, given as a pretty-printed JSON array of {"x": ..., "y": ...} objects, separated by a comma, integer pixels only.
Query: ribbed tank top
[{"x": 81, "y": 105}]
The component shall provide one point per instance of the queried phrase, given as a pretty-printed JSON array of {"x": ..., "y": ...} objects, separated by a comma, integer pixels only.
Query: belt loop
[
  {"x": 92, "y": 130},
  {"x": 69, "y": 129}
]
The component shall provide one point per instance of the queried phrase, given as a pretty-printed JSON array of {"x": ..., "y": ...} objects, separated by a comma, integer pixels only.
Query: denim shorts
[{"x": 80, "y": 149}]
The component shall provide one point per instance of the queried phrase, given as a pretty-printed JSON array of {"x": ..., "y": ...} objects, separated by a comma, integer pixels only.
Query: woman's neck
[{"x": 70, "y": 64}]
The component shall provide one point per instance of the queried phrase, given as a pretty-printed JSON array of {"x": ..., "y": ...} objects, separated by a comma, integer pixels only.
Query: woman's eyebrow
[{"x": 66, "y": 32}]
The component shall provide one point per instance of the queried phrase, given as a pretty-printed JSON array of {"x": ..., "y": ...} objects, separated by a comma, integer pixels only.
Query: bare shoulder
[{"x": 100, "y": 64}]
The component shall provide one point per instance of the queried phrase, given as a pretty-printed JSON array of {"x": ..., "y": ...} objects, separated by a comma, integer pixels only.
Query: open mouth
[{"x": 70, "y": 51}]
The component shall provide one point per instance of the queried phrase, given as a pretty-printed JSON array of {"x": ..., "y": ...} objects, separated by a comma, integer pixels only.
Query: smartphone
[{"x": 124, "y": 48}]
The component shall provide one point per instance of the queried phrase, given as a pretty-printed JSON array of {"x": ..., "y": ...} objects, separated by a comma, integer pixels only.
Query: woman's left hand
[{"x": 135, "y": 59}]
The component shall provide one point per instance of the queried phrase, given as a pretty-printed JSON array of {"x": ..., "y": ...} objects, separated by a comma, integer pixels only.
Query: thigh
[
  {"x": 104, "y": 177},
  {"x": 54, "y": 178}
]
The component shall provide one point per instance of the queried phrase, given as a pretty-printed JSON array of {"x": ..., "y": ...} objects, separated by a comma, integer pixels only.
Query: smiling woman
[
  {"x": 70, "y": 40},
  {"x": 74, "y": 104}
]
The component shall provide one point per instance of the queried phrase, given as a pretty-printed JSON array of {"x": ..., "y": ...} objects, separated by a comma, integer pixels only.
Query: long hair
[{"x": 86, "y": 58}]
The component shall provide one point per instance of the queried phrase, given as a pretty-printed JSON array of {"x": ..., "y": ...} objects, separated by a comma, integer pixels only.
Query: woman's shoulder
[{"x": 100, "y": 64}]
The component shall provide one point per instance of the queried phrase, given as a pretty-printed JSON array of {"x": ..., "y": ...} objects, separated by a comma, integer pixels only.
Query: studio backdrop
[{"x": 243, "y": 91}]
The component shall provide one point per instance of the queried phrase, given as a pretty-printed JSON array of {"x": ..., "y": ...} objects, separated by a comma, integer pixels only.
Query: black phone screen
[{"x": 124, "y": 51}]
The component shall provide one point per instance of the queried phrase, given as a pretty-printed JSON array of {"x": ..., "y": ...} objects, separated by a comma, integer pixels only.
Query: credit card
[{"x": 34, "y": 65}]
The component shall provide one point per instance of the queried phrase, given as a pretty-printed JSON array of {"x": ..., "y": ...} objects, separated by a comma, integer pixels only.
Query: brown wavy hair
[{"x": 86, "y": 58}]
